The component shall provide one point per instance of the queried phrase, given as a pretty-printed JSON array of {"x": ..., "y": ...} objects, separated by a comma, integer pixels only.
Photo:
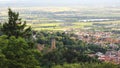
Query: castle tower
[{"x": 53, "y": 43}]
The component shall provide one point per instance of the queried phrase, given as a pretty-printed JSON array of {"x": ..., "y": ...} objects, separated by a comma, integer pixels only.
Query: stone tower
[{"x": 53, "y": 43}]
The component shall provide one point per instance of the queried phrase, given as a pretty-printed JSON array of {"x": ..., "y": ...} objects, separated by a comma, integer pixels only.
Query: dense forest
[{"x": 19, "y": 48}]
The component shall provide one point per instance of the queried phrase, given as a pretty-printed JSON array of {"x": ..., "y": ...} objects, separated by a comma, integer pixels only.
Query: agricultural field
[
  {"x": 59, "y": 26},
  {"x": 65, "y": 18}
]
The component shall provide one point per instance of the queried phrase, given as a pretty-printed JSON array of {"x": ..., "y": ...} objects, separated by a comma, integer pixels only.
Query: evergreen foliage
[{"x": 15, "y": 26}]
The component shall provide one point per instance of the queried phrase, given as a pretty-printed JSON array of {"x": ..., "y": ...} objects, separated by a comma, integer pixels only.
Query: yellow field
[{"x": 57, "y": 26}]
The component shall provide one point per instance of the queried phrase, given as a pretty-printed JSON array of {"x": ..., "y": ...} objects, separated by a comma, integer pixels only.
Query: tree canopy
[
  {"x": 16, "y": 53},
  {"x": 15, "y": 26},
  {"x": 15, "y": 50}
]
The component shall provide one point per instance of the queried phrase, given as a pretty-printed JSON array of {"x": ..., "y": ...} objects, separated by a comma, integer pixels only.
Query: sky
[{"x": 60, "y": 3}]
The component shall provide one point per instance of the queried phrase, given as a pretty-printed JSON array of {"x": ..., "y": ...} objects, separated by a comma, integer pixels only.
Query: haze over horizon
[{"x": 60, "y": 3}]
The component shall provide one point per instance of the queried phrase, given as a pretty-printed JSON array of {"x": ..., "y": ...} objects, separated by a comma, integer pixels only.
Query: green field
[{"x": 58, "y": 26}]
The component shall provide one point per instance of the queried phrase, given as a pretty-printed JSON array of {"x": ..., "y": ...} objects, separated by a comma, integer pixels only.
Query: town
[{"x": 103, "y": 39}]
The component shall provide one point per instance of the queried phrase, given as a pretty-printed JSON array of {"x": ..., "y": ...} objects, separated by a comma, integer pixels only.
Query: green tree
[
  {"x": 15, "y": 26},
  {"x": 87, "y": 65},
  {"x": 16, "y": 53}
]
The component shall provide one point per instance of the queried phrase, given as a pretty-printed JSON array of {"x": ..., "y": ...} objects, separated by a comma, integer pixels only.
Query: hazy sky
[{"x": 60, "y": 2}]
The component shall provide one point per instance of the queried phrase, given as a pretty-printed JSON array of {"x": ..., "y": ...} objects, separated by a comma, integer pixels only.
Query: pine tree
[{"x": 15, "y": 26}]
